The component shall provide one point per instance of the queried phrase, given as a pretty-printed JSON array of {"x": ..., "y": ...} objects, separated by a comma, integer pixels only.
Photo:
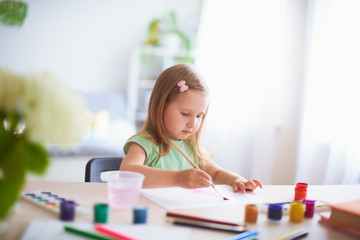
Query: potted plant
[{"x": 164, "y": 33}]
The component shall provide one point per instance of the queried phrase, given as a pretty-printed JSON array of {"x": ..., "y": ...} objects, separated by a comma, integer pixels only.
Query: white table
[{"x": 89, "y": 193}]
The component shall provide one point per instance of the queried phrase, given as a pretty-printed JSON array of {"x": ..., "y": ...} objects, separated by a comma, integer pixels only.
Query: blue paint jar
[
  {"x": 275, "y": 212},
  {"x": 140, "y": 214}
]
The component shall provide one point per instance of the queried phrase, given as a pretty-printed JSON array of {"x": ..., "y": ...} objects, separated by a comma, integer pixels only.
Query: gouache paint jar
[{"x": 300, "y": 191}]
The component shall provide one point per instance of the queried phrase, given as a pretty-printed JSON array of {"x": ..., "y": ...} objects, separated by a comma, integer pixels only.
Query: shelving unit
[{"x": 146, "y": 65}]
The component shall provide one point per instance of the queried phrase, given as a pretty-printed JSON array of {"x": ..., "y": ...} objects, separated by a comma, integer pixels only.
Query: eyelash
[{"x": 186, "y": 114}]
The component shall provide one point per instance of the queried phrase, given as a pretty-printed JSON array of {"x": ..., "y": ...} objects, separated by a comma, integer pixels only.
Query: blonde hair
[{"x": 165, "y": 91}]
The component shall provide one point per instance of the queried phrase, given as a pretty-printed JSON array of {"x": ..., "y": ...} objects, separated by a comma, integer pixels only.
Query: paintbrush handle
[
  {"x": 186, "y": 157},
  {"x": 194, "y": 166}
]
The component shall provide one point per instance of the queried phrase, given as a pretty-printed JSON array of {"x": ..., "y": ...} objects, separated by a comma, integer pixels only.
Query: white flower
[
  {"x": 51, "y": 112},
  {"x": 11, "y": 89}
]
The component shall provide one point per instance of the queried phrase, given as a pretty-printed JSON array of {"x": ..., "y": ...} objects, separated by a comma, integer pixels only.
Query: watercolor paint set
[{"x": 51, "y": 202}]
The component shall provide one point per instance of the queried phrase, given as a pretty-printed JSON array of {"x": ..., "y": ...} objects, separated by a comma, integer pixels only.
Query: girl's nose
[{"x": 191, "y": 123}]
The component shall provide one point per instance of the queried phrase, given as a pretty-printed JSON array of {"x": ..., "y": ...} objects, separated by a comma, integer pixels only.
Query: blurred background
[{"x": 283, "y": 77}]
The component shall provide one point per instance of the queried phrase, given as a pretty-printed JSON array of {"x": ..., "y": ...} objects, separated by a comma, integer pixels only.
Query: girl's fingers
[
  {"x": 205, "y": 175},
  {"x": 202, "y": 179},
  {"x": 258, "y": 183},
  {"x": 242, "y": 187},
  {"x": 239, "y": 186},
  {"x": 235, "y": 188}
]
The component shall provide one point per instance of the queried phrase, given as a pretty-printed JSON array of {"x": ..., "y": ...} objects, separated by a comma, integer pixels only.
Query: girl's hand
[
  {"x": 193, "y": 178},
  {"x": 242, "y": 186}
]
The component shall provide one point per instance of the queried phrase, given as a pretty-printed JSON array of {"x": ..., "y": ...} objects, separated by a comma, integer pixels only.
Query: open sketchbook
[
  {"x": 54, "y": 230},
  {"x": 181, "y": 198}
]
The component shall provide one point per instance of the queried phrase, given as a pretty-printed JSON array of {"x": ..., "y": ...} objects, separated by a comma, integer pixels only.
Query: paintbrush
[{"x": 196, "y": 167}]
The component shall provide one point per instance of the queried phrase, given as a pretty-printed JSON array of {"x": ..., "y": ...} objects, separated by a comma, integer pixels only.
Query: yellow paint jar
[{"x": 297, "y": 210}]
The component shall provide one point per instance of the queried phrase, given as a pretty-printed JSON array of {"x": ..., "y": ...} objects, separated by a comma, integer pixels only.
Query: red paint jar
[{"x": 300, "y": 191}]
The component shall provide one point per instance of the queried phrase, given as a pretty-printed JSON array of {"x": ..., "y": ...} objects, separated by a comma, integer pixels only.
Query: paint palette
[{"x": 51, "y": 202}]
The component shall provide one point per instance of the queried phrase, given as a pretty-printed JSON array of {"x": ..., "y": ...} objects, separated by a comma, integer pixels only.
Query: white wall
[{"x": 87, "y": 43}]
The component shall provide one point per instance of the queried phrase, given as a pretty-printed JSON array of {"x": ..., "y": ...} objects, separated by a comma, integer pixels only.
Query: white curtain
[
  {"x": 261, "y": 60},
  {"x": 329, "y": 151},
  {"x": 251, "y": 54}
]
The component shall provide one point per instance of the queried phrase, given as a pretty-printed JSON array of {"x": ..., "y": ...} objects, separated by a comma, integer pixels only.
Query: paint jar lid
[
  {"x": 309, "y": 203},
  {"x": 297, "y": 205},
  {"x": 301, "y": 185},
  {"x": 251, "y": 206}
]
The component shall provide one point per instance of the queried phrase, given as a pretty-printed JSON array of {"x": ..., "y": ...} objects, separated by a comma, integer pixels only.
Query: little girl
[{"x": 177, "y": 108}]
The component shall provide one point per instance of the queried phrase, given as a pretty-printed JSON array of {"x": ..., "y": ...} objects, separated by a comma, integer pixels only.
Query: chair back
[{"x": 96, "y": 166}]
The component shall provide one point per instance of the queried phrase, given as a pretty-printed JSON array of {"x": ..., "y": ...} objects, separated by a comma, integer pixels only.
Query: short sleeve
[{"x": 146, "y": 144}]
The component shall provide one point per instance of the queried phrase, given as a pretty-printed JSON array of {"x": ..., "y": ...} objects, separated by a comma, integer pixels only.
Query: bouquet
[{"x": 35, "y": 109}]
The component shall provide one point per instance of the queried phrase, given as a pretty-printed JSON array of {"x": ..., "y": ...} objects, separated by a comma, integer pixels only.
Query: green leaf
[
  {"x": 12, "y": 121},
  {"x": 13, "y": 13},
  {"x": 185, "y": 40},
  {"x": 10, "y": 190},
  {"x": 37, "y": 157},
  {"x": 153, "y": 36},
  {"x": 12, "y": 179},
  {"x": 16, "y": 159},
  {"x": 6, "y": 139}
]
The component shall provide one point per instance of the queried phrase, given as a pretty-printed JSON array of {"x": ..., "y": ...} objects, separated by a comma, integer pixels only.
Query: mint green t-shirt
[{"x": 173, "y": 161}]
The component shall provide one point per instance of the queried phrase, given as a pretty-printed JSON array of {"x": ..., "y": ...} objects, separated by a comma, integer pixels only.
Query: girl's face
[{"x": 183, "y": 116}]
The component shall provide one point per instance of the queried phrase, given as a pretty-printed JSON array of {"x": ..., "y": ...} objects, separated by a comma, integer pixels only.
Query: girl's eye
[
  {"x": 184, "y": 114},
  {"x": 199, "y": 116}
]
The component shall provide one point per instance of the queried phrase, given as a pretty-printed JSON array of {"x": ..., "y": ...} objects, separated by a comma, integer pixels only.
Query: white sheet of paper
[
  {"x": 181, "y": 198},
  {"x": 54, "y": 230}
]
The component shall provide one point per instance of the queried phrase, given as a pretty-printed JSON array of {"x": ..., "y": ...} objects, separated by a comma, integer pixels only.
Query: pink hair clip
[{"x": 182, "y": 85}]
